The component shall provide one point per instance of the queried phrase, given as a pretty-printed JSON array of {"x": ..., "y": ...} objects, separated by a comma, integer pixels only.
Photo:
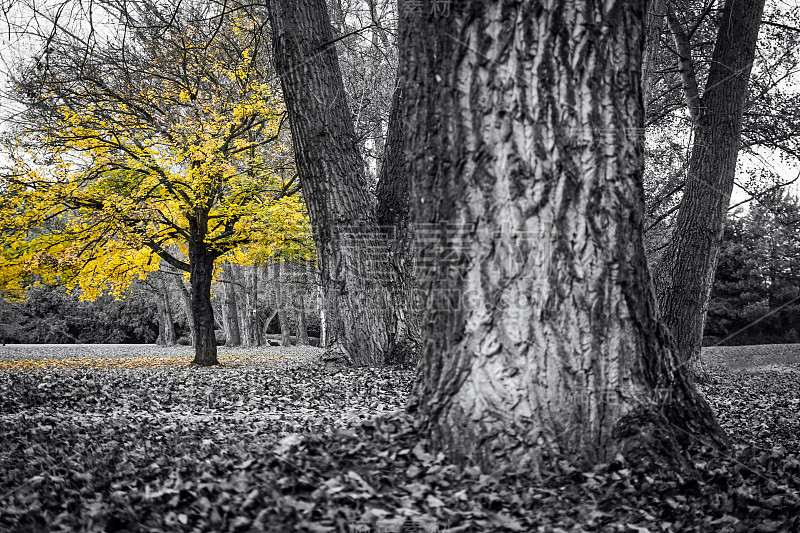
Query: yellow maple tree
[{"x": 170, "y": 139}]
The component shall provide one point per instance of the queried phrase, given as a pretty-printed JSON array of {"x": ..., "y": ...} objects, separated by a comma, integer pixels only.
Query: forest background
[{"x": 266, "y": 289}]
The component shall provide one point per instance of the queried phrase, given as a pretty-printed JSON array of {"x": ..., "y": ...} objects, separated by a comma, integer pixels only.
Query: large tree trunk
[
  {"x": 230, "y": 312},
  {"x": 352, "y": 252},
  {"x": 686, "y": 272},
  {"x": 524, "y": 143},
  {"x": 258, "y": 337},
  {"x": 201, "y": 262}
]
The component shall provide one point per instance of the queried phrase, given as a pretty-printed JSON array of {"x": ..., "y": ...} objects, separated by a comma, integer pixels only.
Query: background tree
[
  {"x": 541, "y": 335},
  {"x": 230, "y": 307},
  {"x": 163, "y": 132},
  {"x": 365, "y": 35},
  {"x": 687, "y": 268},
  {"x": 654, "y": 27},
  {"x": 167, "y": 335},
  {"x": 286, "y": 246},
  {"x": 357, "y": 275},
  {"x": 770, "y": 120},
  {"x": 771, "y": 117},
  {"x": 365, "y": 32}
]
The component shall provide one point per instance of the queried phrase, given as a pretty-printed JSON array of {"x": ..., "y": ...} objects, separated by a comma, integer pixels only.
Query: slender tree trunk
[
  {"x": 258, "y": 337},
  {"x": 686, "y": 272},
  {"x": 186, "y": 300},
  {"x": 160, "y": 309},
  {"x": 230, "y": 313},
  {"x": 352, "y": 251},
  {"x": 201, "y": 262},
  {"x": 540, "y": 329},
  {"x": 302, "y": 328},
  {"x": 241, "y": 296},
  {"x": 380, "y": 41},
  {"x": 267, "y": 322},
  {"x": 166, "y": 326},
  {"x": 654, "y": 26},
  {"x": 280, "y": 305},
  {"x": 160, "y": 340},
  {"x": 323, "y": 323},
  {"x": 249, "y": 312}
]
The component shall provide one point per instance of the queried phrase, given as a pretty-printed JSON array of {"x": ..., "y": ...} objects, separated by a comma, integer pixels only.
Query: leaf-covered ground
[{"x": 129, "y": 438}]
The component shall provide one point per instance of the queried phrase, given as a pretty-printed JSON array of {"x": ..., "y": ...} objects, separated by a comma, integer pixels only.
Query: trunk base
[
  {"x": 337, "y": 355},
  {"x": 195, "y": 364},
  {"x": 645, "y": 437},
  {"x": 208, "y": 360},
  {"x": 698, "y": 371},
  {"x": 405, "y": 354}
]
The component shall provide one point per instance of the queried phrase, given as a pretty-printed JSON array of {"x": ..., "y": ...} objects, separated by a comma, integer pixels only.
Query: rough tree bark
[
  {"x": 197, "y": 298},
  {"x": 393, "y": 216},
  {"x": 540, "y": 330},
  {"x": 352, "y": 251},
  {"x": 654, "y": 27},
  {"x": 201, "y": 261},
  {"x": 686, "y": 272}
]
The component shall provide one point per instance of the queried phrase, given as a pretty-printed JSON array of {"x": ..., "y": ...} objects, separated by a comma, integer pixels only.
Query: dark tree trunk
[
  {"x": 540, "y": 329},
  {"x": 393, "y": 217},
  {"x": 352, "y": 252},
  {"x": 686, "y": 272},
  {"x": 201, "y": 262},
  {"x": 230, "y": 312}
]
